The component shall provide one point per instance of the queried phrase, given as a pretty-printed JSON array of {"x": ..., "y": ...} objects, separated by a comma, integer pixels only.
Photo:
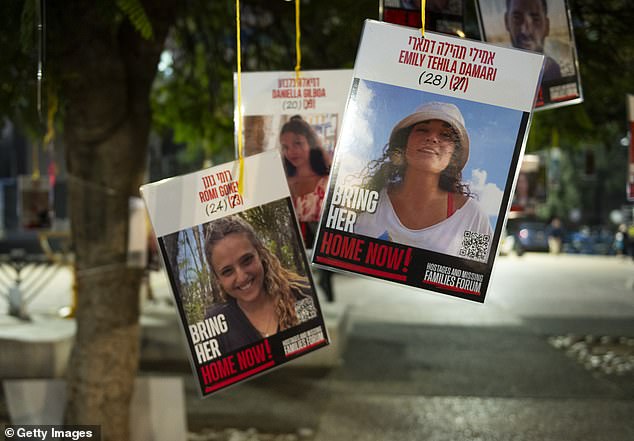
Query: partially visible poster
[
  {"x": 530, "y": 190},
  {"x": 542, "y": 26},
  {"x": 445, "y": 16},
  {"x": 137, "y": 234},
  {"x": 34, "y": 203},
  {"x": 237, "y": 270},
  {"x": 300, "y": 117},
  {"x": 630, "y": 119},
  {"x": 427, "y": 159}
]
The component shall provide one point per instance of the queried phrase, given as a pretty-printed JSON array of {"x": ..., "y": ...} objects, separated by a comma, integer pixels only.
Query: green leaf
[
  {"x": 134, "y": 11},
  {"x": 29, "y": 26}
]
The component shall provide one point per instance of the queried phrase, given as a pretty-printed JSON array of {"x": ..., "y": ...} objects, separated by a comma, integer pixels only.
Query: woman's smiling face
[
  {"x": 430, "y": 146},
  {"x": 238, "y": 267}
]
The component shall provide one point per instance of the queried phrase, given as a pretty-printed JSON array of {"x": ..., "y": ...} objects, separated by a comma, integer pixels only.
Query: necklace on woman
[
  {"x": 266, "y": 331},
  {"x": 270, "y": 323}
]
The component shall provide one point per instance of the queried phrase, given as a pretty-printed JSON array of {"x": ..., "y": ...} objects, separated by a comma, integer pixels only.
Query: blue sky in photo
[{"x": 492, "y": 133}]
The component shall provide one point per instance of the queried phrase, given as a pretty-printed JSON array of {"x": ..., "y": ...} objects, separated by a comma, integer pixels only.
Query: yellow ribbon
[
  {"x": 422, "y": 18},
  {"x": 297, "y": 40},
  {"x": 48, "y": 136},
  {"x": 35, "y": 174},
  {"x": 240, "y": 145},
  {"x": 50, "y": 120}
]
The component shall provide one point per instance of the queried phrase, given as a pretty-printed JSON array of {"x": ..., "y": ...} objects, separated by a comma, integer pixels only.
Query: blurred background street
[{"x": 549, "y": 356}]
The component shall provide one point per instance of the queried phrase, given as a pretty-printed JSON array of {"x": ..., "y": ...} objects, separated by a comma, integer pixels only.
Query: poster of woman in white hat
[
  {"x": 423, "y": 200},
  {"x": 422, "y": 175}
]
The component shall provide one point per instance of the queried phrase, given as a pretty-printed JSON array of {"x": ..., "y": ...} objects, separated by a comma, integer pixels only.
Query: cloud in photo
[
  {"x": 489, "y": 194},
  {"x": 357, "y": 137}
]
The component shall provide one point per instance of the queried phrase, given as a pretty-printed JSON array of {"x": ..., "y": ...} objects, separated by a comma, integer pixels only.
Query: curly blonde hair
[{"x": 283, "y": 285}]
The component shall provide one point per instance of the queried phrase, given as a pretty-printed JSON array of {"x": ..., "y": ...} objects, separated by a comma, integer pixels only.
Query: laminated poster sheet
[
  {"x": 301, "y": 117},
  {"x": 427, "y": 159},
  {"x": 237, "y": 269},
  {"x": 444, "y": 16},
  {"x": 542, "y": 26},
  {"x": 34, "y": 203}
]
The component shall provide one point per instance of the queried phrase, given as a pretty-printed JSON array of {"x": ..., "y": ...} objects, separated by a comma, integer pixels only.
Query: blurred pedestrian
[
  {"x": 629, "y": 244},
  {"x": 621, "y": 239},
  {"x": 555, "y": 235}
]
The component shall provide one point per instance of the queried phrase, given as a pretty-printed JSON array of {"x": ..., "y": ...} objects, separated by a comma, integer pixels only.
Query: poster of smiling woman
[
  {"x": 237, "y": 269},
  {"x": 427, "y": 159},
  {"x": 301, "y": 117}
]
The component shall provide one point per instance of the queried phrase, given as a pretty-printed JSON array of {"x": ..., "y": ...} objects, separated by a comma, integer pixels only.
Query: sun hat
[{"x": 446, "y": 112}]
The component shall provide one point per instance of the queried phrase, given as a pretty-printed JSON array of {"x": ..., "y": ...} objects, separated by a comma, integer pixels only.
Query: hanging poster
[
  {"x": 301, "y": 117},
  {"x": 237, "y": 270},
  {"x": 34, "y": 203},
  {"x": 425, "y": 166},
  {"x": 445, "y": 16},
  {"x": 530, "y": 190},
  {"x": 542, "y": 26}
]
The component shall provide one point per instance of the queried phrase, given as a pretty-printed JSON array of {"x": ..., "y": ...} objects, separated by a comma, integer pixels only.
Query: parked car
[
  {"x": 531, "y": 236},
  {"x": 525, "y": 236}
]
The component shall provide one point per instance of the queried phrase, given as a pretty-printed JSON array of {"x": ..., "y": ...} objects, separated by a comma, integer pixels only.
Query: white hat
[{"x": 446, "y": 112}]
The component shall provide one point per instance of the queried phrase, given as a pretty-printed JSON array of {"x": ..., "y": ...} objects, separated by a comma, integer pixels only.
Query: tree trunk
[
  {"x": 108, "y": 71},
  {"x": 208, "y": 294}
]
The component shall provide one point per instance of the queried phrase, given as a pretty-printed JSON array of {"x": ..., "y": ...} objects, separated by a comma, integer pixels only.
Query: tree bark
[
  {"x": 208, "y": 294},
  {"x": 108, "y": 70}
]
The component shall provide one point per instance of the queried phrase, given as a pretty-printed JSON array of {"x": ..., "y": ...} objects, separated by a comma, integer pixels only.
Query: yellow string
[
  {"x": 35, "y": 175},
  {"x": 297, "y": 40},
  {"x": 50, "y": 120},
  {"x": 422, "y": 17},
  {"x": 240, "y": 146}
]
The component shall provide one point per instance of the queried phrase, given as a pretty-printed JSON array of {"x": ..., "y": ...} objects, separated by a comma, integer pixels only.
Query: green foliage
[
  {"x": 193, "y": 97},
  {"x": 18, "y": 58},
  {"x": 194, "y": 276},
  {"x": 275, "y": 228},
  {"x": 134, "y": 12},
  {"x": 19, "y": 53},
  {"x": 563, "y": 196},
  {"x": 594, "y": 191},
  {"x": 605, "y": 49},
  {"x": 29, "y": 22}
]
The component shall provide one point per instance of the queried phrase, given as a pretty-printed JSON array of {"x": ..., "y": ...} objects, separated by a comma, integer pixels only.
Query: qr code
[
  {"x": 475, "y": 246},
  {"x": 305, "y": 309}
]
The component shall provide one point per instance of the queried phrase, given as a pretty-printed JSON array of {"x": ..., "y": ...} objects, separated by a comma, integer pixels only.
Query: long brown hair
[
  {"x": 317, "y": 157},
  {"x": 283, "y": 285},
  {"x": 390, "y": 168}
]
